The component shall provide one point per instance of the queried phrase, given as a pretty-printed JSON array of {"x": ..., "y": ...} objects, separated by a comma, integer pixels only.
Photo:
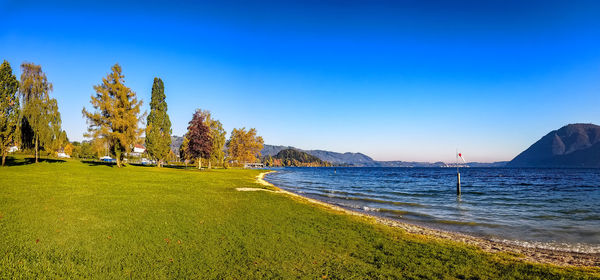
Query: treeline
[
  {"x": 30, "y": 119},
  {"x": 293, "y": 157}
]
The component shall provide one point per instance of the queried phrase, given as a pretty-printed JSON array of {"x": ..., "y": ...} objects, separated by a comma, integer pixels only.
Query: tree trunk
[
  {"x": 118, "y": 161},
  {"x": 209, "y": 164},
  {"x": 199, "y": 163},
  {"x": 36, "y": 149},
  {"x": 3, "y": 158}
]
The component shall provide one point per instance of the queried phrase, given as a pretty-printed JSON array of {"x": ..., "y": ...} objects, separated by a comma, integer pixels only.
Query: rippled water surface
[{"x": 551, "y": 208}]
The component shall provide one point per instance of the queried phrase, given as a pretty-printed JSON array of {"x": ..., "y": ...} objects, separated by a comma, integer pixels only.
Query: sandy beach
[{"x": 532, "y": 254}]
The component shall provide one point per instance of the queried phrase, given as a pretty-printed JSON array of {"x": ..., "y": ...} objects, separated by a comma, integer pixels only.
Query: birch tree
[{"x": 40, "y": 112}]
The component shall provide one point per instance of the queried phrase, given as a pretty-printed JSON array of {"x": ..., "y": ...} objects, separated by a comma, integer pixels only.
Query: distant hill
[
  {"x": 351, "y": 159},
  {"x": 272, "y": 150},
  {"x": 294, "y": 157},
  {"x": 354, "y": 159},
  {"x": 574, "y": 145},
  {"x": 362, "y": 160},
  {"x": 176, "y": 142}
]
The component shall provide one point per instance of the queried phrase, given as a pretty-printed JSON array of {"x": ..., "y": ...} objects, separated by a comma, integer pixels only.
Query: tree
[
  {"x": 244, "y": 146},
  {"x": 116, "y": 117},
  {"x": 199, "y": 139},
  {"x": 182, "y": 154},
  {"x": 98, "y": 147},
  {"x": 217, "y": 134},
  {"x": 40, "y": 112},
  {"x": 9, "y": 109},
  {"x": 59, "y": 142},
  {"x": 69, "y": 149},
  {"x": 158, "y": 126}
]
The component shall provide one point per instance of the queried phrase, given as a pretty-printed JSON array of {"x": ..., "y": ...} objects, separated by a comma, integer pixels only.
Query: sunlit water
[{"x": 547, "y": 208}]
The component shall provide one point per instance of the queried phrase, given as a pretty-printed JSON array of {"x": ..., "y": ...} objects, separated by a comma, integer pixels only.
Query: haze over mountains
[
  {"x": 573, "y": 145},
  {"x": 362, "y": 160},
  {"x": 349, "y": 159}
]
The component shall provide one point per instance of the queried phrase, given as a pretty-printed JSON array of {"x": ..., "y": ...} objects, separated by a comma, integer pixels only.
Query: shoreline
[{"x": 531, "y": 254}]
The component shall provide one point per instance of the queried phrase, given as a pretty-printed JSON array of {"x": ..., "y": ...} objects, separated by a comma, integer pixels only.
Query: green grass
[{"x": 76, "y": 220}]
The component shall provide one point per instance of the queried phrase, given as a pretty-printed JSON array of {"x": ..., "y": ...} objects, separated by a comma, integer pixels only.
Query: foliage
[
  {"x": 217, "y": 135},
  {"x": 158, "y": 126},
  {"x": 244, "y": 146},
  {"x": 116, "y": 117},
  {"x": 293, "y": 157},
  {"x": 99, "y": 147},
  {"x": 68, "y": 149},
  {"x": 199, "y": 139},
  {"x": 74, "y": 220},
  {"x": 182, "y": 149},
  {"x": 9, "y": 109},
  {"x": 59, "y": 142},
  {"x": 82, "y": 150},
  {"x": 40, "y": 112}
]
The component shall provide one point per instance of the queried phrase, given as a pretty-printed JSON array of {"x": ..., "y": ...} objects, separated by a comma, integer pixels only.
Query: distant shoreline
[{"x": 532, "y": 254}]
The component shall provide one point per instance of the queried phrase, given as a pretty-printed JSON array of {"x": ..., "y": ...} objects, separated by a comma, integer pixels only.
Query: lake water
[{"x": 546, "y": 208}]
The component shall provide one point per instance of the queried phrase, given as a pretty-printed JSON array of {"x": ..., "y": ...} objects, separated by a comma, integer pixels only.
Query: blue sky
[{"x": 398, "y": 80}]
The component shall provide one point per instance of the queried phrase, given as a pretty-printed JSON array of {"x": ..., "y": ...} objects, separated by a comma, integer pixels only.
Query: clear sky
[{"x": 397, "y": 80}]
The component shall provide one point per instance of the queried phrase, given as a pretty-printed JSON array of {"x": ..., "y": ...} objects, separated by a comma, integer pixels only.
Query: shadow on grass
[
  {"x": 99, "y": 163},
  {"x": 12, "y": 161},
  {"x": 174, "y": 166}
]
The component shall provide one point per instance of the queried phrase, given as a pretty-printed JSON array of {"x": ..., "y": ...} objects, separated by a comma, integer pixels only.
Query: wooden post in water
[
  {"x": 458, "y": 183},
  {"x": 457, "y": 174}
]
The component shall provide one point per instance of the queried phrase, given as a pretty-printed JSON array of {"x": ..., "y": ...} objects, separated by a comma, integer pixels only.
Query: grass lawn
[{"x": 79, "y": 220}]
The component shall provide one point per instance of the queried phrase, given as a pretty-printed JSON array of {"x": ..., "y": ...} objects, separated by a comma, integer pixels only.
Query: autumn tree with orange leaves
[
  {"x": 244, "y": 146},
  {"x": 116, "y": 116}
]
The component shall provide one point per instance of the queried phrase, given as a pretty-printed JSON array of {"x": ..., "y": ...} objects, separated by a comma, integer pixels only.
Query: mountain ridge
[
  {"x": 573, "y": 145},
  {"x": 346, "y": 158}
]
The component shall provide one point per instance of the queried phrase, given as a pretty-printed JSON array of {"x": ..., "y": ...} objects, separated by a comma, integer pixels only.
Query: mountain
[
  {"x": 354, "y": 159},
  {"x": 272, "y": 150},
  {"x": 294, "y": 157},
  {"x": 176, "y": 142},
  {"x": 573, "y": 145}
]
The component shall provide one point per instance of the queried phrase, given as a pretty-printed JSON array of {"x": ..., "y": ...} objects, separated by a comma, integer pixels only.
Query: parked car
[
  {"x": 107, "y": 159},
  {"x": 146, "y": 161}
]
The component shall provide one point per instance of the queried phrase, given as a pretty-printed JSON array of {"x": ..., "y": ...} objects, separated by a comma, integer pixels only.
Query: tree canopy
[
  {"x": 158, "y": 125},
  {"x": 9, "y": 108},
  {"x": 116, "y": 116},
  {"x": 217, "y": 134},
  {"x": 199, "y": 139},
  {"x": 244, "y": 146},
  {"x": 40, "y": 112}
]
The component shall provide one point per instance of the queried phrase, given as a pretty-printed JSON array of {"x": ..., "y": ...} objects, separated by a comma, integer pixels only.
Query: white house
[
  {"x": 13, "y": 149},
  {"x": 138, "y": 150},
  {"x": 62, "y": 155}
]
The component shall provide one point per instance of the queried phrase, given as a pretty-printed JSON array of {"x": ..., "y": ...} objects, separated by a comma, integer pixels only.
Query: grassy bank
[{"x": 80, "y": 220}]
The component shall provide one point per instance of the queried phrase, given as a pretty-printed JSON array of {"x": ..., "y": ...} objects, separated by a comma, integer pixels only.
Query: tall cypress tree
[
  {"x": 9, "y": 108},
  {"x": 158, "y": 127},
  {"x": 40, "y": 112},
  {"x": 116, "y": 118}
]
